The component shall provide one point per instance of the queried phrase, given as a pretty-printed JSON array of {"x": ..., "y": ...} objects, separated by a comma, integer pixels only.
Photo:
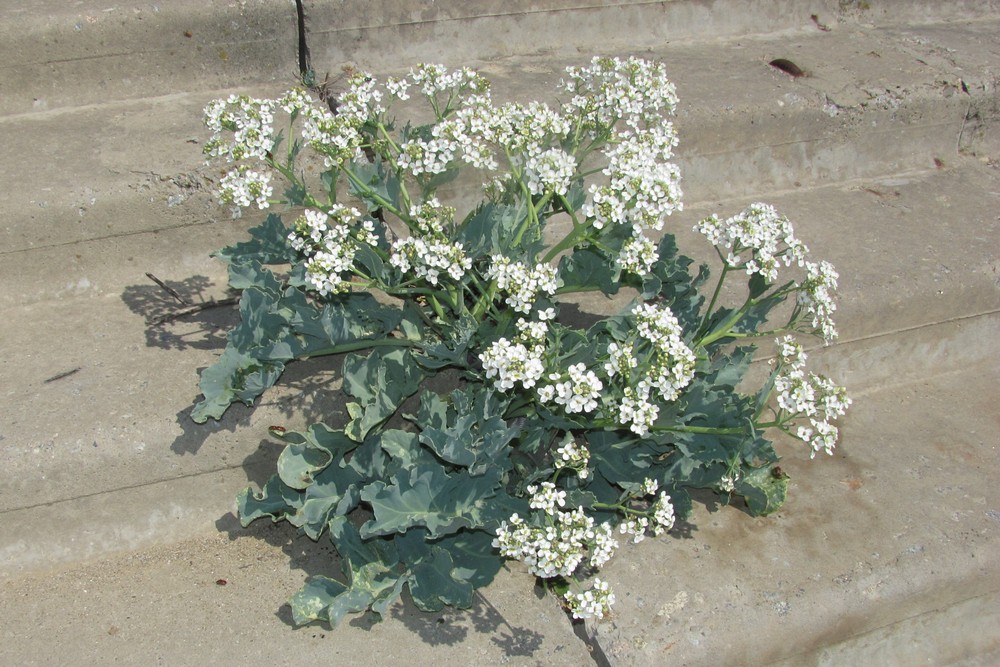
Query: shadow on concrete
[
  {"x": 180, "y": 316},
  {"x": 447, "y": 627}
]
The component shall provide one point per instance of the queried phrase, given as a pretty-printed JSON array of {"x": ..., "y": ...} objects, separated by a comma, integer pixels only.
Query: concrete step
[
  {"x": 57, "y": 54},
  {"x": 82, "y": 231}
]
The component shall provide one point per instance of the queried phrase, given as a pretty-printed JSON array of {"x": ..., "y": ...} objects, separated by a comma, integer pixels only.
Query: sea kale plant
[{"x": 491, "y": 416}]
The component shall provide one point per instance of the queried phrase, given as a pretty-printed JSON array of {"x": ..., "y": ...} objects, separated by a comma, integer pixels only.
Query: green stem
[
  {"x": 364, "y": 344},
  {"x": 369, "y": 193}
]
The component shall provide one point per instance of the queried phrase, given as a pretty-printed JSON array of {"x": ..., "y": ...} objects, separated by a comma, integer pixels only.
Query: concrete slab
[
  {"x": 903, "y": 521},
  {"x": 61, "y": 55}
]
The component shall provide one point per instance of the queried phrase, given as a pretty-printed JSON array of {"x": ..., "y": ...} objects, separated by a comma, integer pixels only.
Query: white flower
[
  {"x": 803, "y": 394},
  {"x": 550, "y": 171},
  {"x": 663, "y": 514},
  {"x": 593, "y": 603},
  {"x": 759, "y": 229},
  {"x": 522, "y": 284},
  {"x": 512, "y": 363},
  {"x": 557, "y": 548},
  {"x": 580, "y": 392},
  {"x": 817, "y": 295},
  {"x": 546, "y": 497},
  {"x": 573, "y": 456},
  {"x": 248, "y": 119},
  {"x": 243, "y": 187},
  {"x": 638, "y": 254},
  {"x": 329, "y": 242}
]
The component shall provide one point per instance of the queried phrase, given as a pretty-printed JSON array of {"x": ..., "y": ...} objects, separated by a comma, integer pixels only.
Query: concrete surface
[{"x": 887, "y": 158}]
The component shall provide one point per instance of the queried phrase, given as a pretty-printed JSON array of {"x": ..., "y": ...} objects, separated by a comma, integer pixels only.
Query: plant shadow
[
  {"x": 187, "y": 314},
  {"x": 180, "y": 315},
  {"x": 448, "y": 627}
]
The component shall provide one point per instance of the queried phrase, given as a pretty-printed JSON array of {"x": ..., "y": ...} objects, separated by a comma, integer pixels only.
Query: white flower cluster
[
  {"x": 638, "y": 254},
  {"x": 243, "y": 186},
  {"x": 817, "y": 295},
  {"x": 578, "y": 393},
  {"x": 550, "y": 171},
  {"x": 398, "y": 88},
  {"x": 249, "y": 120},
  {"x": 809, "y": 395},
  {"x": 430, "y": 254},
  {"x": 760, "y": 230},
  {"x": 361, "y": 101},
  {"x": 661, "y": 512},
  {"x": 644, "y": 188},
  {"x": 334, "y": 136},
  {"x": 573, "y": 456},
  {"x": 435, "y": 79},
  {"x": 593, "y": 603},
  {"x": 329, "y": 241},
  {"x": 526, "y": 129},
  {"x": 672, "y": 366},
  {"x": 430, "y": 157},
  {"x": 519, "y": 360},
  {"x": 557, "y": 548},
  {"x": 668, "y": 365},
  {"x": 546, "y": 497},
  {"x": 520, "y": 283},
  {"x": 610, "y": 89}
]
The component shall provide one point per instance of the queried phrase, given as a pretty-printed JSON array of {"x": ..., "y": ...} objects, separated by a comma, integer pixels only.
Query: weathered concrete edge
[{"x": 917, "y": 639}]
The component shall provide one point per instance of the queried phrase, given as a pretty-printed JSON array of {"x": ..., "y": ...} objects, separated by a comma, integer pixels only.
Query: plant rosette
[{"x": 558, "y": 442}]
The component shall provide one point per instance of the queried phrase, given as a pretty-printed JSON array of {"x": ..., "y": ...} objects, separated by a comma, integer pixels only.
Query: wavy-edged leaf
[
  {"x": 275, "y": 500},
  {"x": 433, "y": 583},
  {"x": 584, "y": 270},
  {"x": 431, "y": 498},
  {"x": 235, "y": 376},
  {"x": 381, "y": 382}
]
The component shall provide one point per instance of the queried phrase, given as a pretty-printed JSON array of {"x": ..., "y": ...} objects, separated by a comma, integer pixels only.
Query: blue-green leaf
[
  {"x": 380, "y": 381},
  {"x": 433, "y": 583},
  {"x": 430, "y": 497}
]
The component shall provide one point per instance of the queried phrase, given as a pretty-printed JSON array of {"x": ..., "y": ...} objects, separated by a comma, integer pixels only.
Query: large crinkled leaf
[
  {"x": 381, "y": 382},
  {"x": 619, "y": 457},
  {"x": 277, "y": 326},
  {"x": 235, "y": 376},
  {"x": 584, "y": 270},
  {"x": 454, "y": 349},
  {"x": 475, "y": 558},
  {"x": 356, "y": 551},
  {"x": 382, "y": 184},
  {"x": 405, "y": 449},
  {"x": 489, "y": 229},
  {"x": 373, "y": 586},
  {"x": 431, "y": 498},
  {"x": 352, "y": 317},
  {"x": 433, "y": 583},
  {"x": 298, "y": 464},
  {"x": 467, "y": 429},
  {"x": 275, "y": 500}
]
